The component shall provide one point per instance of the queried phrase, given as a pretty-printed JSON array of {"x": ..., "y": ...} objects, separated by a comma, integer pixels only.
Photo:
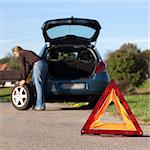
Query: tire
[
  {"x": 21, "y": 97},
  {"x": 93, "y": 99}
]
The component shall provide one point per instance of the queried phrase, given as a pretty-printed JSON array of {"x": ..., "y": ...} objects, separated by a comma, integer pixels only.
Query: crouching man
[{"x": 29, "y": 60}]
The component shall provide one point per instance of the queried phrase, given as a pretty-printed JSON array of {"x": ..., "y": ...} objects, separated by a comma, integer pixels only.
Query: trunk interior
[{"x": 69, "y": 63}]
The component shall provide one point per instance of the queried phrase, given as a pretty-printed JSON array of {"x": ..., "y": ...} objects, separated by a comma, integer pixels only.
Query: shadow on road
[
  {"x": 69, "y": 108},
  {"x": 146, "y": 136},
  {"x": 86, "y": 107},
  {"x": 62, "y": 107},
  {"x": 119, "y": 136}
]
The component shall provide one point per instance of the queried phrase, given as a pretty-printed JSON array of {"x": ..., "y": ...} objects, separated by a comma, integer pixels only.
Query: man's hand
[{"x": 22, "y": 82}]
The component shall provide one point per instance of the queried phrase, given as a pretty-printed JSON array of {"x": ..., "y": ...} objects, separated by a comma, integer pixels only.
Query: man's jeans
[{"x": 40, "y": 71}]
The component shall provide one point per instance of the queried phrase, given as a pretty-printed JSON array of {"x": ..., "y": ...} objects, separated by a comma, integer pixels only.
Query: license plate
[{"x": 76, "y": 86}]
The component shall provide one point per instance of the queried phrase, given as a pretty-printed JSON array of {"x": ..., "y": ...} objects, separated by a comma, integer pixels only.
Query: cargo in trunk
[{"x": 68, "y": 63}]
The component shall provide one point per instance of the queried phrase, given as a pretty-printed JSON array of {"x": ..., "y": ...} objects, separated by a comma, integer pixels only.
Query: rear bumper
[{"x": 93, "y": 86}]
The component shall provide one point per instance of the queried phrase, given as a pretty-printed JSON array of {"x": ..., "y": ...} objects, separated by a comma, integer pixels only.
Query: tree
[
  {"x": 12, "y": 62},
  {"x": 130, "y": 47},
  {"x": 127, "y": 65},
  {"x": 146, "y": 56},
  {"x": 5, "y": 59}
]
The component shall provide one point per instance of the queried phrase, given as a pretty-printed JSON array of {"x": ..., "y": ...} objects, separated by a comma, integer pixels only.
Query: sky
[{"x": 122, "y": 21}]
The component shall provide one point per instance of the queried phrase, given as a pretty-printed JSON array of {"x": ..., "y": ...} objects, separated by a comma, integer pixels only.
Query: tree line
[
  {"x": 129, "y": 65},
  {"x": 11, "y": 61}
]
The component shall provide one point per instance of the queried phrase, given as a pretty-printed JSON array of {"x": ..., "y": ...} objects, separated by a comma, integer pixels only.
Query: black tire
[
  {"x": 21, "y": 97},
  {"x": 93, "y": 99}
]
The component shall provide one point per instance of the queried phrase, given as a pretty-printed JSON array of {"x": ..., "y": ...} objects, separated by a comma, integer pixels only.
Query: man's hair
[{"x": 17, "y": 48}]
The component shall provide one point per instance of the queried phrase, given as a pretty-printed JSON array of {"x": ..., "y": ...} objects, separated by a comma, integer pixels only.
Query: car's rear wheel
[
  {"x": 21, "y": 97},
  {"x": 93, "y": 99}
]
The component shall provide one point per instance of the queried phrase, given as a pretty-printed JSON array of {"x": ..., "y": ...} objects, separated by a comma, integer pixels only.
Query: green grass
[
  {"x": 139, "y": 105},
  {"x": 146, "y": 84},
  {"x": 5, "y": 94}
]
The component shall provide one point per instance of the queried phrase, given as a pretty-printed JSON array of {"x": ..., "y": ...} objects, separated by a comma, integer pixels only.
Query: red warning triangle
[{"x": 129, "y": 127}]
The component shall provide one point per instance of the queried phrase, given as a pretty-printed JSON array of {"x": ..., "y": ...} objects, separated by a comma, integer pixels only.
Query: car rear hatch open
[{"x": 72, "y": 30}]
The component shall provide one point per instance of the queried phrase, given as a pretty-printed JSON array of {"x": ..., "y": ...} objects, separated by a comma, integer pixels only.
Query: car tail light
[{"x": 100, "y": 67}]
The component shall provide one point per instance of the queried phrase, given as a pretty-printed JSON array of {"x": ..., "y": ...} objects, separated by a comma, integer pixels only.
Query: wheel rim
[{"x": 19, "y": 96}]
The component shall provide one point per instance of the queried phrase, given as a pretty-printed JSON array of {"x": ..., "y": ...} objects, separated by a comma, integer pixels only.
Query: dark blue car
[{"x": 76, "y": 70}]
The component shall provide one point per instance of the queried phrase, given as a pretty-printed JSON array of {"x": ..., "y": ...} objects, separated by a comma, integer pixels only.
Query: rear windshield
[{"x": 75, "y": 30}]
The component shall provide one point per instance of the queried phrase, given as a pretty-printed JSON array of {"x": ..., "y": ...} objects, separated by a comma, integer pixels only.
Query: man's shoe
[{"x": 39, "y": 109}]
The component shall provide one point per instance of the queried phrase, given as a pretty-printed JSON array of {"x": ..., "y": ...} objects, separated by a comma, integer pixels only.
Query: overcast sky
[{"x": 122, "y": 21}]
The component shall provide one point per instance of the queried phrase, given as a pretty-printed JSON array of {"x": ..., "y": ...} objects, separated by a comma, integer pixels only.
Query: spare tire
[{"x": 21, "y": 97}]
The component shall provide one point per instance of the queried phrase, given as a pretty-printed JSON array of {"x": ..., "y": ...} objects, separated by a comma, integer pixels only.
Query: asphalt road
[{"x": 58, "y": 128}]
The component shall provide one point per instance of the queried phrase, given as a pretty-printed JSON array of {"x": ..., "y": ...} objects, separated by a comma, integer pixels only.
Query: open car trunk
[{"x": 71, "y": 62}]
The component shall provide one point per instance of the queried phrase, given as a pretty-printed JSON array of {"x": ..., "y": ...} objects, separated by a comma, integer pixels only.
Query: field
[
  {"x": 5, "y": 94},
  {"x": 139, "y": 103}
]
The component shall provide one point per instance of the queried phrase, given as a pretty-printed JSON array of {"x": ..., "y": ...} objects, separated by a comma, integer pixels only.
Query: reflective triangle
[{"x": 94, "y": 125}]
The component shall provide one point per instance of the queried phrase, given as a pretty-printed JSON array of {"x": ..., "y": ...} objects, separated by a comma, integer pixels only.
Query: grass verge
[
  {"x": 144, "y": 88},
  {"x": 139, "y": 105},
  {"x": 5, "y": 94}
]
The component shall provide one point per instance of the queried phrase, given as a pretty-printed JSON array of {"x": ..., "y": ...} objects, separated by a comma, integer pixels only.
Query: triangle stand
[{"x": 94, "y": 125}]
